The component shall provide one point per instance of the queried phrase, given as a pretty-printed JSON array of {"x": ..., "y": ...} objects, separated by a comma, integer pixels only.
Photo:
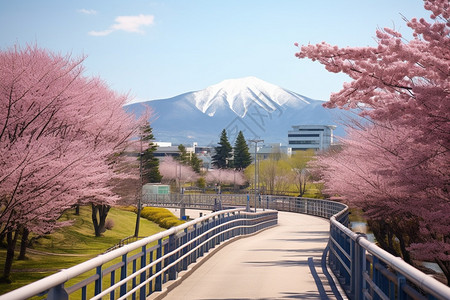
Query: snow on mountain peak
[{"x": 239, "y": 94}]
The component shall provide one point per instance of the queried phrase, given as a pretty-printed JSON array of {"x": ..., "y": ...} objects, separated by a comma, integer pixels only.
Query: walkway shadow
[
  {"x": 286, "y": 262},
  {"x": 313, "y": 266},
  {"x": 285, "y": 295},
  {"x": 317, "y": 240},
  {"x": 324, "y": 233}
]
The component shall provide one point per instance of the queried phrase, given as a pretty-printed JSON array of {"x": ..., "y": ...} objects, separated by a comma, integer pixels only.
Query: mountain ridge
[{"x": 258, "y": 108}]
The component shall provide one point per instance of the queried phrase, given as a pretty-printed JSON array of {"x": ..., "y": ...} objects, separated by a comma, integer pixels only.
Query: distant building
[
  {"x": 316, "y": 137},
  {"x": 167, "y": 149},
  {"x": 266, "y": 151}
]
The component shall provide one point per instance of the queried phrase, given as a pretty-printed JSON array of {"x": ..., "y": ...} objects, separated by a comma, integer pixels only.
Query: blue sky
[{"x": 159, "y": 49}]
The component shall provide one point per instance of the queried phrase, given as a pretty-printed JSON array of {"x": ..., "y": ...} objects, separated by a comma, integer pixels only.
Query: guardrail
[
  {"x": 364, "y": 270},
  {"x": 140, "y": 268}
]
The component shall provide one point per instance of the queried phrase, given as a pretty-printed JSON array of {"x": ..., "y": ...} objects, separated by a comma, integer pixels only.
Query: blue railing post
[
  {"x": 375, "y": 277},
  {"x": 123, "y": 275},
  {"x": 98, "y": 282},
  {"x": 401, "y": 280},
  {"x": 185, "y": 240},
  {"x": 201, "y": 248},
  {"x": 332, "y": 259},
  {"x": 357, "y": 272},
  {"x": 142, "y": 291},
  {"x": 353, "y": 269},
  {"x": 112, "y": 282},
  {"x": 150, "y": 274},
  {"x": 133, "y": 281},
  {"x": 57, "y": 292},
  {"x": 158, "y": 281},
  {"x": 194, "y": 235}
]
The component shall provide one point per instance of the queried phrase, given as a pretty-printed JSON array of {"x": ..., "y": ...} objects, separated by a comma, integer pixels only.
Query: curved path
[{"x": 283, "y": 262}]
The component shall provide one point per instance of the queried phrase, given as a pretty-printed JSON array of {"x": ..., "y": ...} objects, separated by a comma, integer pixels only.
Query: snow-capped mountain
[
  {"x": 258, "y": 108},
  {"x": 240, "y": 94}
]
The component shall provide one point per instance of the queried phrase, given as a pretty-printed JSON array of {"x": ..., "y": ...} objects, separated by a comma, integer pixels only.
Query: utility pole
[
  {"x": 256, "y": 167},
  {"x": 138, "y": 217}
]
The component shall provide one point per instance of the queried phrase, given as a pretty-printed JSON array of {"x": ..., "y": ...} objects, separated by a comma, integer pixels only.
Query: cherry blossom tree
[
  {"x": 177, "y": 172},
  {"x": 396, "y": 165},
  {"x": 225, "y": 176},
  {"x": 60, "y": 136}
]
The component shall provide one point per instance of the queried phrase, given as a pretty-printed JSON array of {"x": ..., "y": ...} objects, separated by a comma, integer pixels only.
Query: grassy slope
[{"x": 76, "y": 242}]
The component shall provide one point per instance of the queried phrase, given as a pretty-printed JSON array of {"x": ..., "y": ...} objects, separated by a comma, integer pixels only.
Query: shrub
[
  {"x": 160, "y": 216},
  {"x": 109, "y": 224}
]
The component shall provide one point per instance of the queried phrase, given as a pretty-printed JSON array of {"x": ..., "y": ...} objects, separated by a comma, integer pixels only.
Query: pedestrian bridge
[{"x": 275, "y": 253}]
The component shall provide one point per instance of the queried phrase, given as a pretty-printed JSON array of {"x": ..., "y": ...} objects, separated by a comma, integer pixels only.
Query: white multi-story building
[
  {"x": 266, "y": 151},
  {"x": 316, "y": 137}
]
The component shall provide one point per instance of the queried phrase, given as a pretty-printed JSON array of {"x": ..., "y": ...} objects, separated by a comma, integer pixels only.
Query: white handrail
[{"x": 46, "y": 283}]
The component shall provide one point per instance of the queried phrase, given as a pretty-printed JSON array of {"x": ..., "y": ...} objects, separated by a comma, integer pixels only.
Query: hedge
[{"x": 160, "y": 216}]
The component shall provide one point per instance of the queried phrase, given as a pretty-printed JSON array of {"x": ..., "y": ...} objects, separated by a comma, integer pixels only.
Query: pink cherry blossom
[{"x": 395, "y": 166}]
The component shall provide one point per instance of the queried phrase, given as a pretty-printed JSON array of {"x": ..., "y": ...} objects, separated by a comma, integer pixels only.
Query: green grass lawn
[{"x": 75, "y": 244}]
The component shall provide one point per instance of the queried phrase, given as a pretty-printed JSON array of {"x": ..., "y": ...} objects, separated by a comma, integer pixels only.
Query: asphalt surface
[{"x": 283, "y": 262}]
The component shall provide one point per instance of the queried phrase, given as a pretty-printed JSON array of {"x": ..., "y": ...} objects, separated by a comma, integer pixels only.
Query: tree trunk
[
  {"x": 2, "y": 239},
  {"x": 383, "y": 235},
  {"x": 445, "y": 267},
  {"x": 99, "y": 223},
  {"x": 11, "y": 239},
  {"x": 24, "y": 244},
  {"x": 77, "y": 210},
  {"x": 138, "y": 220},
  {"x": 405, "y": 253}
]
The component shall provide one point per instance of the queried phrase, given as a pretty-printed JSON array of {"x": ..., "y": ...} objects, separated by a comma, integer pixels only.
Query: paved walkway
[{"x": 283, "y": 262}]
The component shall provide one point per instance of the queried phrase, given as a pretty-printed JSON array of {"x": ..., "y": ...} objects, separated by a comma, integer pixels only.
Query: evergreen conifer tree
[
  {"x": 184, "y": 156},
  {"x": 242, "y": 157},
  {"x": 188, "y": 160},
  {"x": 150, "y": 164},
  {"x": 196, "y": 164},
  {"x": 222, "y": 158}
]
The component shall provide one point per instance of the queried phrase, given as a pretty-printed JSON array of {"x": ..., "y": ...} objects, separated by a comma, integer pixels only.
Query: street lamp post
[{"x": 256, "y": 166}]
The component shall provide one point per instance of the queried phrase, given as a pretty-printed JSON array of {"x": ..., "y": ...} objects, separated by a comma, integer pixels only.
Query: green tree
[
  {"x": 196, "y": 164},
  {"x": 201, "y": 183},
  {"x": 184, "y": 156},
  {"x": 242, "y": 158},
  {"x": 150, "y": 164},
  {"x": 300, "y": 173},
  {"x": 273, "y": 173},
  {"x": 222, "y": 158},
  {"x": 189, "y": 160}
]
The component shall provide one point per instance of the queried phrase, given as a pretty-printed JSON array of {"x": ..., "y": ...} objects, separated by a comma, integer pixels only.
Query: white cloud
[
  {"x": 100, "y": 33},
  {"x": 128, "y": 24},
  {"x": 133, "y": 23},
  {"x": 87, "y": 11}
]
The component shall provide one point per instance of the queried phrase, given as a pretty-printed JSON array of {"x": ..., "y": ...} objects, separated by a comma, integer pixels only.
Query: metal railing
[
  {"x": 364, "y": 270},
  {"x": 315, "y": 207},
  {"x": 140, "y": 268},
  {"x": 368, "y": 272}
]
